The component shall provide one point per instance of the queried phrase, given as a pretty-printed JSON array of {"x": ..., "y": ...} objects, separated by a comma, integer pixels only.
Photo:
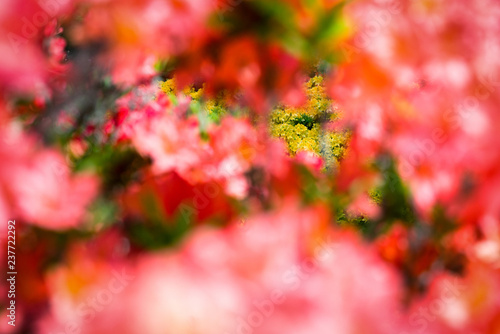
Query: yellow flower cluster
[
  {"x": 215, "y": 108},
  {"x": 300, "y": 128}
]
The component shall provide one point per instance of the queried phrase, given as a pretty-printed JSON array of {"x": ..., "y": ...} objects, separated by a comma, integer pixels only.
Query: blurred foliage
[
  {"x": 116, "y": 166},
  {"x": 280, "y": 21}
]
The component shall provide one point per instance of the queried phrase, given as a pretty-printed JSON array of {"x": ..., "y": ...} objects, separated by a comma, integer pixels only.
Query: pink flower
[
  {"x": 285, "y": 271},
  {"x": 469, "y": 304},
  {"x": 37, "y": 185},
  {"x": 364, "y": 205},
  {"x": 174, "y": 145},
  {"x": 47, "y": 195},
  {"x": 310, "y": 159},
  {"x": 56, "y": 49}
]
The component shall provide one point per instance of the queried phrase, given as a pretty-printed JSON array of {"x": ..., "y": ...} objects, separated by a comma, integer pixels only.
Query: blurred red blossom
[{"x": 245, "y": 65}]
